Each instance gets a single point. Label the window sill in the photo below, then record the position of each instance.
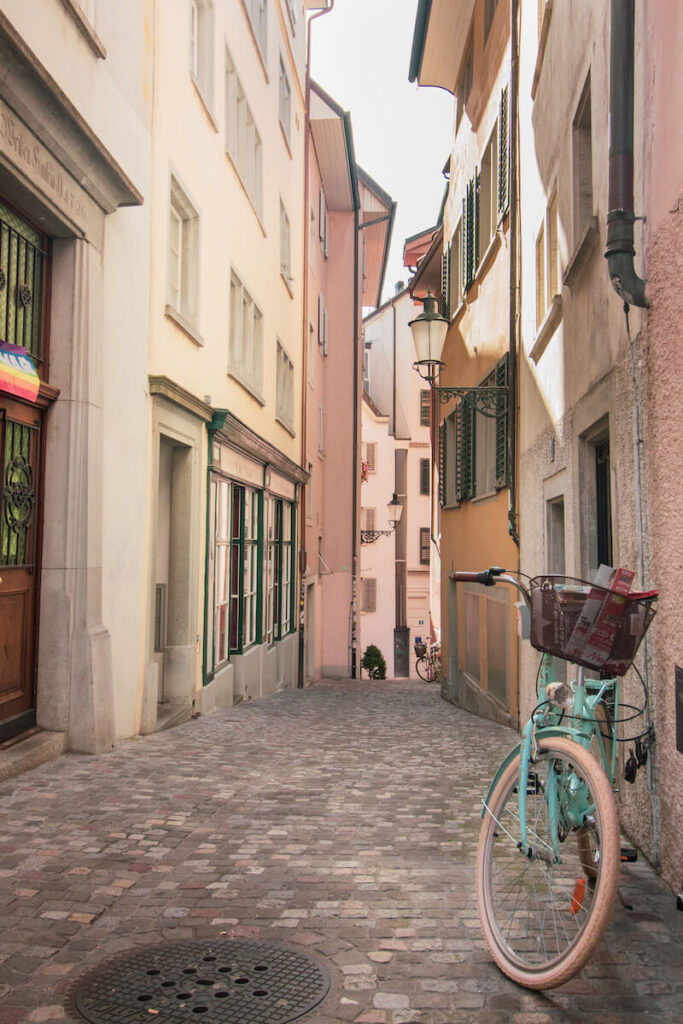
(85, 28)
(545, 332)
(246, 192)
(244, 383)
(487, 259)
(582, 253)
(185, 326)
(285, 425)
(204, 103)
(542, 40)
(483, 497)
(288, 281)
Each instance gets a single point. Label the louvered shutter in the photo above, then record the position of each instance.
(502, 426)
(464, 279)
(445, 282)
(503, 167)
(476, 188)
(468, 442)
(442, 464)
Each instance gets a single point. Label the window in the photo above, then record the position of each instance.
(547, 262)
(555, 529)
(218, 575)
(324, 226)
(285, 101)
(424, 476)
(279, 569)
(488, 194)
(243, 142)
(370, 455)
(285, 246)
(367, 346)
(285, 389)
(244, 568)
(368, 595)
(582, 165)
(424, 545)
(246, 337)
(201, 47)
(258, 16)
(322, 325)
(425, 408)
(489, 11)
(473, 446)
(464, 86)
(183, 264)
(368, 519)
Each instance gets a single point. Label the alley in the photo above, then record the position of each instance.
(340, 821)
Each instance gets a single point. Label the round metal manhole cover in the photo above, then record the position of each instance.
(226, 982)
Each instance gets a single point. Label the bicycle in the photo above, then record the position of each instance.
(428, 664)
(549, 851)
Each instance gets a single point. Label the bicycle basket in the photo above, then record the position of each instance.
(420, 649)
(588, 625)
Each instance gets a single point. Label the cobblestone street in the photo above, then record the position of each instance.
(341, 821)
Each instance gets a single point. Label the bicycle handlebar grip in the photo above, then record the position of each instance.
(487, 577)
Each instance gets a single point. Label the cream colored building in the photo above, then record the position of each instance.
(75, 168)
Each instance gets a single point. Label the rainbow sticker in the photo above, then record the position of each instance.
(17, 373)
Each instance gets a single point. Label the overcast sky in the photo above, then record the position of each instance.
(360, 55)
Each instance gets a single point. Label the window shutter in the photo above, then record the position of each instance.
(371, 459)
(503, 168)
(502, 426)
(442, 464)
(445, 281)
(470, 233)
(369, 595)
(476, 188)
(424, 476)
(464, 442)
(321, 325)
(464, 279)
(325, 322)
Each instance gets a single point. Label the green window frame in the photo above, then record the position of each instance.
(246, 568)
(424, 476)
(279, 569)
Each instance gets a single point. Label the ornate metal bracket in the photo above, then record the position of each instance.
(489, 401)
(370, 536)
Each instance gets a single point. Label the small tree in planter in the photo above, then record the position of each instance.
(373, 662)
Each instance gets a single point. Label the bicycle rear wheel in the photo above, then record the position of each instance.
(542, 919)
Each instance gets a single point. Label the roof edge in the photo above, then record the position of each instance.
(419, 36)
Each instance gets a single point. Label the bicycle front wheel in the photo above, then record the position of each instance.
(541, 916)
(422, 667)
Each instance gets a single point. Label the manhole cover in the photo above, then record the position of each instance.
(229, 982)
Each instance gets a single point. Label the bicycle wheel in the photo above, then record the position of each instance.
(588, 842)
(423, 668)
(542, 919)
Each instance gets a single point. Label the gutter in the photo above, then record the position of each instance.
(620, 249)
(512, 326)
(419, 37)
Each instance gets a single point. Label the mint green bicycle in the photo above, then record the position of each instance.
(549, 851)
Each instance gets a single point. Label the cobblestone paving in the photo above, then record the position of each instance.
(341, 821)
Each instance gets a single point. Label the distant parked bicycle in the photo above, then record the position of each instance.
(428, 664)
(549, 850)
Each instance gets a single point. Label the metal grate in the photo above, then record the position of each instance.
(226, 982)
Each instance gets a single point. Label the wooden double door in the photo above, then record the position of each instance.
(20, 430)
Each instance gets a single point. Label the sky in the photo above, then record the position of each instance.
(360, 55)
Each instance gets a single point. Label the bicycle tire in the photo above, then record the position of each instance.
(422, 667)
(511, 886)
(588, 843)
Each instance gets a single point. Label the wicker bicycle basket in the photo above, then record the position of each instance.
(588, 625)
(420, 649)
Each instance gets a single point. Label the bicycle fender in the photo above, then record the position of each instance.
(541, 734)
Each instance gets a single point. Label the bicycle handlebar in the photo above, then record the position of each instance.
(486, 578)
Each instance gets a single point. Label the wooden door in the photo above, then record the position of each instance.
(19, 475)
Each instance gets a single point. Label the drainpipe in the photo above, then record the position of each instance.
(620, 249)
(304, 336)
(512, 325)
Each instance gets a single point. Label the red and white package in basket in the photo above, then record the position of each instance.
(593, 636)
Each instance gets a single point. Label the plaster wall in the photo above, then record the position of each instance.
(663, 346)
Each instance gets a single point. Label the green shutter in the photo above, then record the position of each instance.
(424, 476)
(502, 426)
(468, 235)
(442, 464)
(464, 279)
(475, 228)
(445, 282)
(503, 170)
(464, 444)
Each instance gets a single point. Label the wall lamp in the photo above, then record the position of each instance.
(394, 510)
(429, 335)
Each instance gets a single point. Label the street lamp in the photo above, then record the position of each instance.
(429, 334)
(394, 510)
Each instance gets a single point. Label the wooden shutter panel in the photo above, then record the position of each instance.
(445, 282)
(464, 279)
(442, 464)
(476, 188)
(371, 456)
(502, 426)
(370, 595)
(464, 443)
(503, 166)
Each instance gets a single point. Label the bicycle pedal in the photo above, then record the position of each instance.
(628, 854)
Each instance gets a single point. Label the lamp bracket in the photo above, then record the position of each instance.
(489, 401)
(370, 536)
